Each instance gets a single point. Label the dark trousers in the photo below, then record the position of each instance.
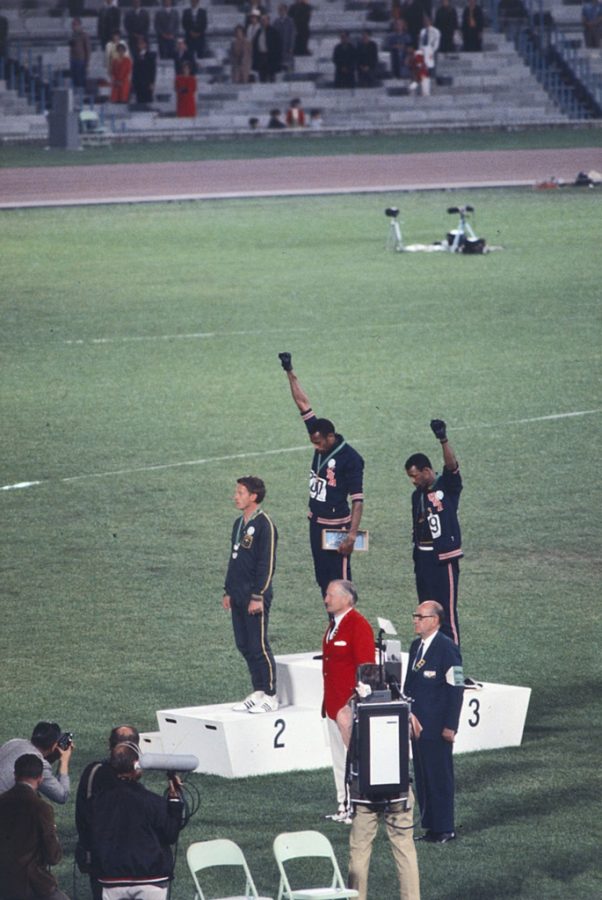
(434, 779)
(251, 638)
(78, 73)
(328, 564)
(437, 581)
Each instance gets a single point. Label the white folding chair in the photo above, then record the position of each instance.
(297, 844)
(221, 852)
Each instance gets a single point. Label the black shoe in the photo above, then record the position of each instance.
(427, 836)
(443, 837)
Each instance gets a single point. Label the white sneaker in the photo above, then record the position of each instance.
(249, 702)
(267, 704)
(342, 815)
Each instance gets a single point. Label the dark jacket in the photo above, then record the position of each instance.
(436, 687)
(28, 844)
(435, 513)
(132, 830)
(252, 560)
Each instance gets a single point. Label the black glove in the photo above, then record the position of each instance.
(286, 361)
(438, 427)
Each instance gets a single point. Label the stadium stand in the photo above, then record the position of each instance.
(531, 71)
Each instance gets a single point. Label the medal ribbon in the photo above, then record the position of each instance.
(329, 457)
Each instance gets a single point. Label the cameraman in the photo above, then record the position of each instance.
(132, 830)
(49, 744)
(96, 777)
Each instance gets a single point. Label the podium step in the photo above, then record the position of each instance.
(236, 745)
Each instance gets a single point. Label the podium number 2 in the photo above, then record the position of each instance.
(280, 724)
(475, 706)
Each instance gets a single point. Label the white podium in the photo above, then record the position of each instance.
(236, 745)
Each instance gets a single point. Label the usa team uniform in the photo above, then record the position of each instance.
(249, 576)
(438, 546)
(334, 477)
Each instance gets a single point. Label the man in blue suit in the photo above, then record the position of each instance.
(434, 681)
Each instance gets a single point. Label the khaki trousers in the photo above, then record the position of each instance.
(399, 825)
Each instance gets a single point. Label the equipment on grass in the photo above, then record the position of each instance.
(394, 240)
(463, 239)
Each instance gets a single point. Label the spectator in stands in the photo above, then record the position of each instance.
(121, 75)
(267, 50)
(398, 42)
(185, 87)
(184, 55)
(343, 57)
(28, 839)
(472, 28)
(137, 25)
(240, 57)
(428, 41)
(315, 119)
(109, 20)
(419, 73)
(446, 20)
(111, 51)
(591, 18)
(413, 13)
(79, 54)
(285, 27)
(366, 60)
(144, 73)
(300, 12)
(3, 37)
(194, 23)
(252, 27)
(275, 120)
(43, 743)
(167, 25)
(295, 116)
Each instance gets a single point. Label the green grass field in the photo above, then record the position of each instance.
(140, 379)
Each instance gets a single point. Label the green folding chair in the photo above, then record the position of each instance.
(298, 844)
(221, 852)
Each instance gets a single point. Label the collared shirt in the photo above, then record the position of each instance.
(335, 624)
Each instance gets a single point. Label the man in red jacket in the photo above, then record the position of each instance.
(347, 644)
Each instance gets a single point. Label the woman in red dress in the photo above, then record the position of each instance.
(186, 93)
(121, 76)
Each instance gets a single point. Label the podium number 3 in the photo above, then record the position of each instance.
(280, 724)
(476, 716)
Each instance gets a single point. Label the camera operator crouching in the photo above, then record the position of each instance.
(50, 744)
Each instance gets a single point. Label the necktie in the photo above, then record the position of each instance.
(419, 654)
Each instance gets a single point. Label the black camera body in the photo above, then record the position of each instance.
(65, 740)
(379, 752)
(392, 212)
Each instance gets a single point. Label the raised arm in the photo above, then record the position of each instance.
(298, 394)
(439, 429)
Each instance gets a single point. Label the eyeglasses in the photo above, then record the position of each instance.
(418, 616)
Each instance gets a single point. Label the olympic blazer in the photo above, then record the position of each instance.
(251, 567)
(440, 505)
(351, 645)
(436, 686)
(334, 476)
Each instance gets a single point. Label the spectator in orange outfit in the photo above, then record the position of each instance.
(186, 93)
(121, 76)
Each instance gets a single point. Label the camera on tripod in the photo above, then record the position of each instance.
(378, 759)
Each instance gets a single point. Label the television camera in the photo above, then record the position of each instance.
(462, 239)
(378, 757)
